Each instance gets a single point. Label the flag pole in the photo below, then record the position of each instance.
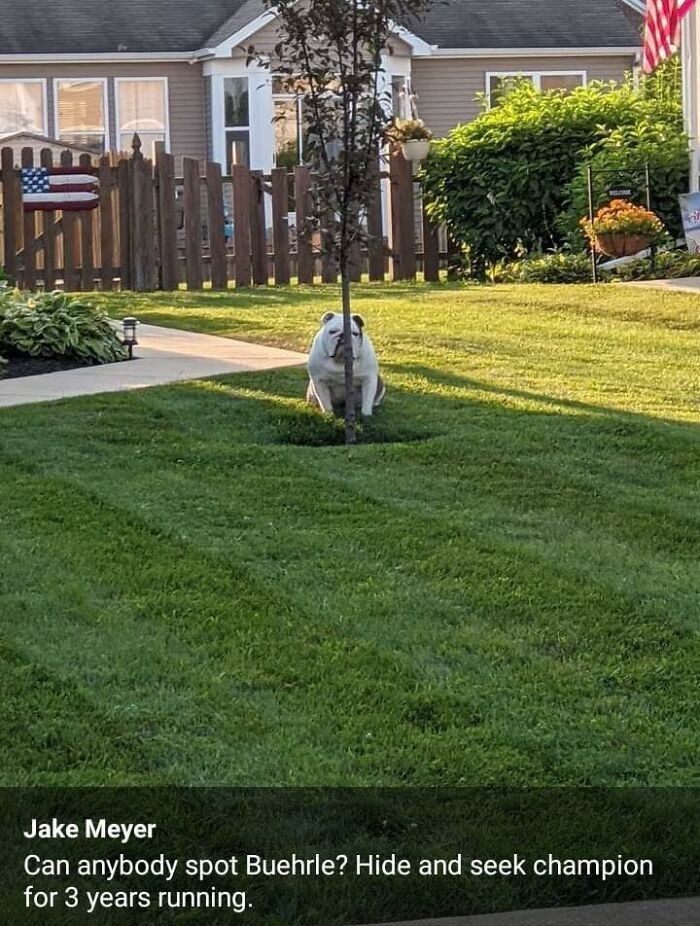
(690, 52)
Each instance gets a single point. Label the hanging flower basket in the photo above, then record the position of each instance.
(412, 136)
(416, 149)
(620, 244)
(622, 229)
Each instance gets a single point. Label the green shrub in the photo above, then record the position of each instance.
(668, 265)
(620, 160)
(56, 325)
(501, 182)
(558, 267)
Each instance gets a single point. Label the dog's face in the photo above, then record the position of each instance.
(333, 337)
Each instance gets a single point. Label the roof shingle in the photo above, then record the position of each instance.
(87, 26)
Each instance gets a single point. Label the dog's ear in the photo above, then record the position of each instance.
(327, 317)
(359, 321)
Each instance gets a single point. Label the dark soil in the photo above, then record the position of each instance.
(34, 366)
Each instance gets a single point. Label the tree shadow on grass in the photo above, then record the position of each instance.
(451, 380)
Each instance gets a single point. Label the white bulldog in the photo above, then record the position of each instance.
(327, 367)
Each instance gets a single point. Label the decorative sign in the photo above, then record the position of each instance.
(690, 210)
(620, 193)
(72, 189)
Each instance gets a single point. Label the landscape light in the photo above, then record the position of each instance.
(129, 326)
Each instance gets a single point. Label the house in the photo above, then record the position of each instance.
(92, 74)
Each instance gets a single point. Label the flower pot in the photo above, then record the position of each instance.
(417, 149)
(620, 244)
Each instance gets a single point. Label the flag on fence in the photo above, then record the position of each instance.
(663, 30)
(72, 189)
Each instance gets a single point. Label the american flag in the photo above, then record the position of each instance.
(72, 189)
(663, 30)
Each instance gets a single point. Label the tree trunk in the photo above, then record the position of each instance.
(350, 415)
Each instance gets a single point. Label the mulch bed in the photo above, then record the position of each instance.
(35, 366)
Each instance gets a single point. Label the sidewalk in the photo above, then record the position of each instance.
(647, 913)
(681, 285)
(164, 355)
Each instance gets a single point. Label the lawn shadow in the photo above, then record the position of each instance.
(458, 381)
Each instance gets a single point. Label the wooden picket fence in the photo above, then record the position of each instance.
(156, 230)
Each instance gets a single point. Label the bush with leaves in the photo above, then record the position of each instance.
(501, 182)
(56, 325)
(620, 159)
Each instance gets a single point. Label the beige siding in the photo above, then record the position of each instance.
(265, 40)
(447, 88)
(185, 90)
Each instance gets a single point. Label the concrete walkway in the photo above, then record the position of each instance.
(164, 355)
(647, 913)
(681, 285)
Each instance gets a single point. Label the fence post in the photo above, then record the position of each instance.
(280, 224)
(241, 223)
(192, 205)
(257, 229)
(305, 252)
(124, 198)
(217, 232)
(87, 275)
(167, 222)
(402, 217)
(12, 205)
(49, 225)
(29, 236)
(141, 220)
(107, 235)
(375, 228)
(71, 242)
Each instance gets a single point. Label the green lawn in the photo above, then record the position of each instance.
(507, 592)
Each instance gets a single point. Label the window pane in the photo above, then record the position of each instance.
(142, 109)
(500, 86)
(237, 149)
(236, 101)
(561, 81)
(81, 117)
(148, 142)
(399, 97)
(286, 132)
(21, 107)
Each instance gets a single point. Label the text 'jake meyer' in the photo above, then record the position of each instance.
(90, 829)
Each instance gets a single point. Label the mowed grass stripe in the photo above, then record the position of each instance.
(512, 599)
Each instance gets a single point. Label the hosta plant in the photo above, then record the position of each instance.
(56, 325)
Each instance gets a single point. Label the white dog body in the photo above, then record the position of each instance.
(327, 367)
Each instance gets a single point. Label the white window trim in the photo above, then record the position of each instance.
(260, 110)
(105, 103)
(151, 80)
(45, 96)
(535, 75)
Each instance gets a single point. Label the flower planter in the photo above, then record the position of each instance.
(622, 245)
(417, 149)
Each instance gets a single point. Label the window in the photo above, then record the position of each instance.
(142, 106)
(80, 110)
(237, 119)
(400, 102)
(22, 107)
(288, 123)
(497, 85)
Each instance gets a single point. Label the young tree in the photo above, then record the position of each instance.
(330, 55)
